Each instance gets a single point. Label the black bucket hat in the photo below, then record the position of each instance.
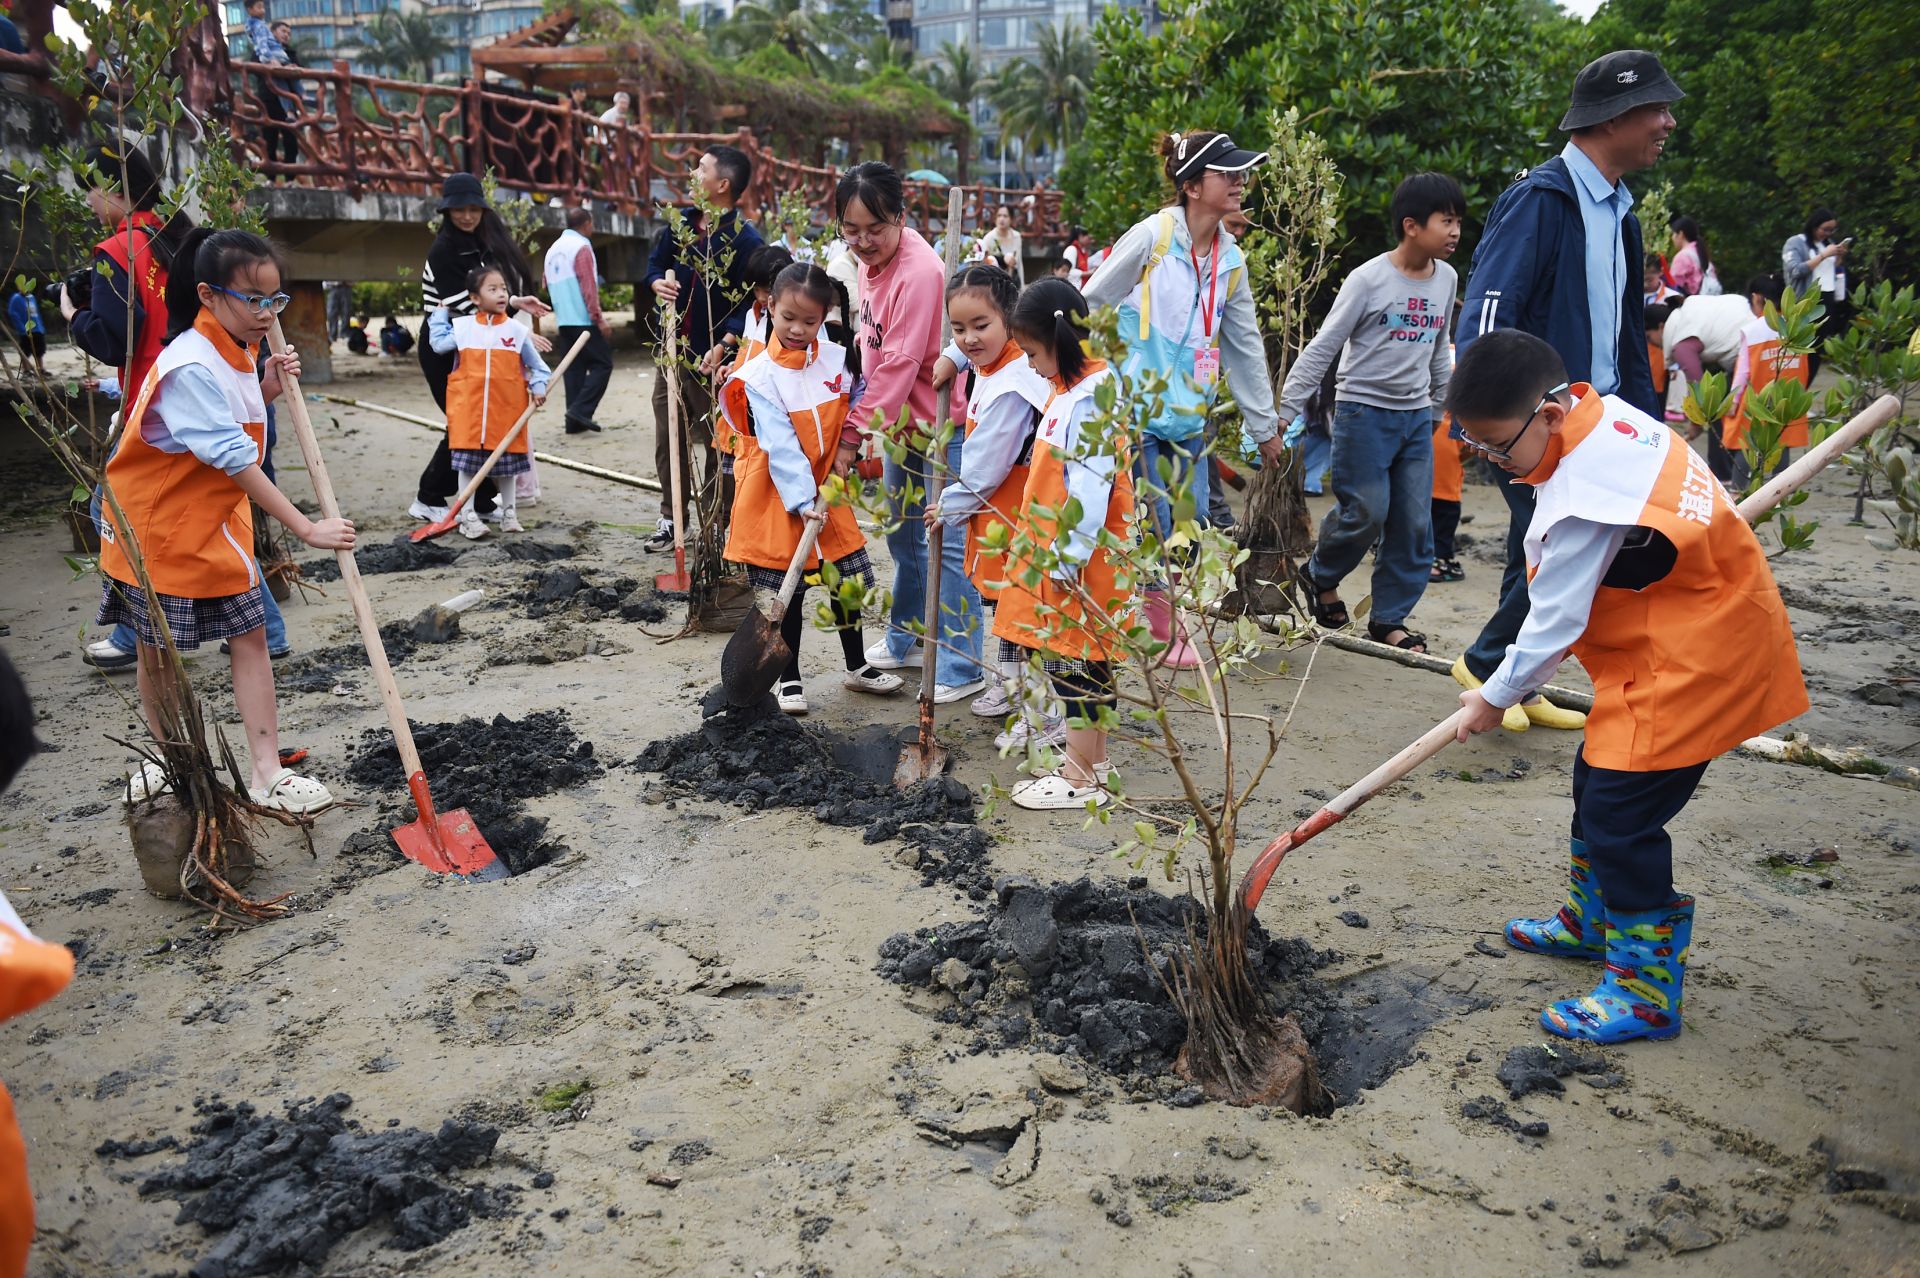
(1612, 85)
(461, 191)
(1191, 159)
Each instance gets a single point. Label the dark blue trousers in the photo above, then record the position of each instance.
(1490, 649)
(1622, 818)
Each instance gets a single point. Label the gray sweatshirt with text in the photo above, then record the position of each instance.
(1394, 330)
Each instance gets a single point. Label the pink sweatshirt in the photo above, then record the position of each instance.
(902, 319)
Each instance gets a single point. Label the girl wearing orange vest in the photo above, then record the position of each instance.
(792, 399)
(762, 269)
(1004, 399)
(1642, 567)
(1760, 364)
(496, 374)
(1071, 612)
(188, 460)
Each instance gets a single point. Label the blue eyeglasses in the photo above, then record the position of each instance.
(1504, 452)
(258, 303)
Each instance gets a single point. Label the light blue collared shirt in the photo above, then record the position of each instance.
(1603, 207)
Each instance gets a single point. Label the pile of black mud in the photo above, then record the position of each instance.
(760, 758)
(402, 555)
(278, 1194)
(322, 669)
(568, 590)
(489, 769)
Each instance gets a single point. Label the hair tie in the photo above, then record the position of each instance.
(1059, 314)
(1181, 143)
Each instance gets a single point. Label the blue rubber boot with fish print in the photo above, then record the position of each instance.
(1639, 991)
(1579, 930)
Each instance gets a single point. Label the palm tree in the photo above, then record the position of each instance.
(877, 53)
(404, 43)
(958, 79)
(1046, 100)
(787, 23)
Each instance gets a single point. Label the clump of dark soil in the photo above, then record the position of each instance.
(1537, 1068)
(402, 555)
(490, 769)
(277, 1194)
(1488, 1110)
(322, 669)
(760, 758)
(569, 590)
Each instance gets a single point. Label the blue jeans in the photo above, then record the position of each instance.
(1316, 455)
(1490, 648)
(1383, 487)
(963, 623)
(1188, 477)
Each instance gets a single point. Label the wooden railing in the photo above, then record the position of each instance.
(335, 128)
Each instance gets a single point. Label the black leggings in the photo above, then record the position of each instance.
(793, 625)
(1446, 522)
(1085, 688)
(439, 482)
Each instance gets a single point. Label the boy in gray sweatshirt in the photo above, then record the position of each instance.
(1391, 316)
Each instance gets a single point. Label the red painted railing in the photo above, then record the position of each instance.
(337, 129)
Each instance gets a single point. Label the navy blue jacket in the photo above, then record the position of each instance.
(708, 310)
(1530, 273)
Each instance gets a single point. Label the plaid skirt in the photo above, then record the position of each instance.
(856, 564)
(470, 460)
(192, 621)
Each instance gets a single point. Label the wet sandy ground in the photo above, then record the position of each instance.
(711, 972)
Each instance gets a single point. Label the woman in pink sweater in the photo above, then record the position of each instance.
(902, 320)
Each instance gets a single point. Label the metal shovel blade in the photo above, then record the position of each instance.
(453, 844)
(921, 757)
(753, 660)
(426, 532)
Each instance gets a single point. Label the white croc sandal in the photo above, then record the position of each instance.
(150, 782)
(1052, 792)
(791, 696)
(291, 792)
(868, 679)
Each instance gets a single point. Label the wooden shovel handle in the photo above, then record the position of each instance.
(936, 481)
(801, 554)
(296, 406)
(676, 475)
(1818, 458)
(465, 494)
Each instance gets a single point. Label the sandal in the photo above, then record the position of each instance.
(1447, 570)
(1331, 615)
(1408, 641)
(288, 791)
(1052, 792)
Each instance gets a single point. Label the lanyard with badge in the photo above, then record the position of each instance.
(1206, 358)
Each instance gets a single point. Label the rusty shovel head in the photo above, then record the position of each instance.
(921, 757)
(753, 660)
(450, 843)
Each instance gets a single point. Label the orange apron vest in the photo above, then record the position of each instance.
(487, 391)
(1765, 364)
(753, 340)
(148, 281)
(1694, 663)
(813, 386)
(1657, 363)
(1018, 617)
(1449, 472)
(31, 972)
(193, 524)
(1011, 374)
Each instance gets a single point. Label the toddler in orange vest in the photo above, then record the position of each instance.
(496, 374)
(1004, 397)
(1072, 611)
(792, 399)
(179, 483)
(1640, 565)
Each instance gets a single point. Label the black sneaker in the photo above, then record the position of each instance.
(577, 427)
(662, 538)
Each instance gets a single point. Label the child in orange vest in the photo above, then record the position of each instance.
(1642, 567)
(1050, 323)
(1760, 364)
(1004, 397)
(792, 399)
(188, 460)
(1449, 477)
(496, 374)
(733, 352)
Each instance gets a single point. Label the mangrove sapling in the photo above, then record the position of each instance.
(1874, 357)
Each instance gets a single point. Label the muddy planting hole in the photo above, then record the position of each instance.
(1062, 968)
(759, 758)
(405, 555)
(488, 768)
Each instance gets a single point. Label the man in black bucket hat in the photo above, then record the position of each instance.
(1561, 259)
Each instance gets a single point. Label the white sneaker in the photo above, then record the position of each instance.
(994, 703)
(471, 526)
(880, 659)
(791, 696)
(1022, 735)
(510, 522)
(662, 538)
(947, 693)
(867, 679)
(104, 655)
(429, 514)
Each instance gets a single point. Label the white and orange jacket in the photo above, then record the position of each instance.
(496, 372)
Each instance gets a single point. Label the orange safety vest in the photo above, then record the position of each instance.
(1019, 616)
(1691, 651)
(813, 387)
(1763, 353)
(191, 521)
(1449, 472)
(487, 391)
(147, 281)
(753, 340)
(31, 972)
(1011, 374)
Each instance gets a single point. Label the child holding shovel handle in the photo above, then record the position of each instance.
(1644, 569)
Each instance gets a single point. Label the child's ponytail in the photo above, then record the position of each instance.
(1052, 312)
(209, 257)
